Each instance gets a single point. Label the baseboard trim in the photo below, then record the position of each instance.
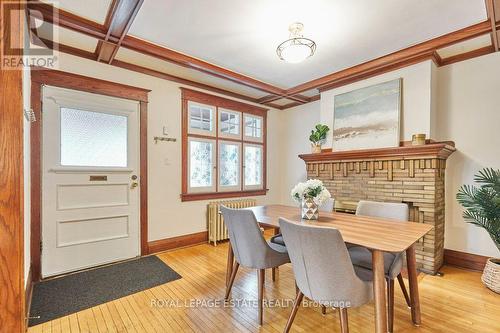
(464, 260)
(177, 242)
(28, 294)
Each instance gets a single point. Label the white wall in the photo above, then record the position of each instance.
(468, 113)
(168, 216)
(297, 125)
(416, 99)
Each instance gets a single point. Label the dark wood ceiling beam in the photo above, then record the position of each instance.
(395, 59)
(297, 98)
(468, 55)
(118, 21)
(163, 53)
(143, 70)
(491, 8)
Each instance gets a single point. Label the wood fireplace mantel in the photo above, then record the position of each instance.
(439, 150)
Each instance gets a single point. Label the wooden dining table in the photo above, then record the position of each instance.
(378, 235)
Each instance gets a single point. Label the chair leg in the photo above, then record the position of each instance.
(261, 276)
(390, 305)
(274, 269)
(231, 280)
(323, 310)
(344, 323)
(296, 306)
(403, 289)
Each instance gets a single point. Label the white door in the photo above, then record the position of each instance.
(90, 176)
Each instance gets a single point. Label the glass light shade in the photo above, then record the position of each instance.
(296, 53)
(296, 50)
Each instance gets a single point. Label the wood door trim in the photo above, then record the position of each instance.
(12, 175)
(73, 81)
(86, 84)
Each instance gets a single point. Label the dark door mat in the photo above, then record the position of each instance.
(75, 292)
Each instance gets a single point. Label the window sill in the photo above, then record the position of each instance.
(220, 195)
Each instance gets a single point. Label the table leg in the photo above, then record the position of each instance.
(379, 291)
(275, 269)
(411, 264)
(230, 262)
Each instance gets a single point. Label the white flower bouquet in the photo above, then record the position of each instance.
(311, 189)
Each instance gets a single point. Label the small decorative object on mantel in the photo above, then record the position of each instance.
(318, 136)
(310, 195)
(482, 208)
(418, 139)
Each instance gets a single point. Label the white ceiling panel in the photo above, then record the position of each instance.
(94, 10)
(242, 35)
(466, 46)
(283, 101)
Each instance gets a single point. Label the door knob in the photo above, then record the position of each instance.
(134, 185)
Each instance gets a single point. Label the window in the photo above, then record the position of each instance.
(201, 119)
(93, 139)
(229, 124)
(253, 128)
(223, 147)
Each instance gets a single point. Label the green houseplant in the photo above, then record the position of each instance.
(318, 136)
(482, 208)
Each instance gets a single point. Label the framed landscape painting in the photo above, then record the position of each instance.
(368, 117)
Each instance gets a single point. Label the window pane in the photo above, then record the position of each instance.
(200, 118)
(253, 126)
(253, 165)
(229, 164)
(93, 139)
(200, 173)
(230, 123)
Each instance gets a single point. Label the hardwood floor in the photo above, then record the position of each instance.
(457, 302)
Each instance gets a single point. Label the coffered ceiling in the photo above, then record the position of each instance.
(242, 35)
(230, 45)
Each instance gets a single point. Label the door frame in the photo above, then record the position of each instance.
(55, 78)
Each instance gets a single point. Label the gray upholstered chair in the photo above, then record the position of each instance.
(323, 270)
(393, 262)
(251, 249)
(327, 206)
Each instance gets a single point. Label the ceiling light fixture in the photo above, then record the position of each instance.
(296, 48)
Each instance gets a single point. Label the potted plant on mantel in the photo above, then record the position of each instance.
(482, 208)
(318, 137)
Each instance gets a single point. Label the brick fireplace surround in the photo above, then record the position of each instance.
(409, 174)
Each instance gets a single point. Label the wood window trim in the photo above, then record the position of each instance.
(223, 103)
(41, 77)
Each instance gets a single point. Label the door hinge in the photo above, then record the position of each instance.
(41, 246)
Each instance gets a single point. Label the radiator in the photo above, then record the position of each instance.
(217, 231)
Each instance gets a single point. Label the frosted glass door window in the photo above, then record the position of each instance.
(201, 164)
(201, 119)
(93, 139)
(229, 166)
(253, 166)
(253, 128)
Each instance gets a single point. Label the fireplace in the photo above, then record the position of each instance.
(411, 174)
